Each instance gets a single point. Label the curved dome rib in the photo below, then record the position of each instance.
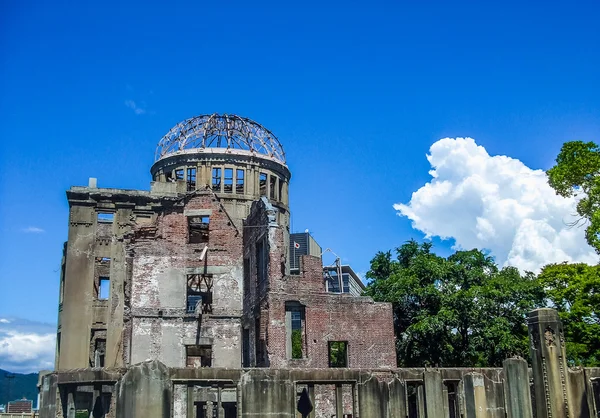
(220, 131)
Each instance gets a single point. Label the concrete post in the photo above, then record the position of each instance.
(434, 394)
(548, 363)
(421, 402)
(71, 402)
(311, 396)
(339, 404)
(474, 396)
(145, 391)
(516, 388)
(578, 394)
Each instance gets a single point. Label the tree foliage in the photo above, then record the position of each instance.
(457, 311)
(577, 172)
(574, 290)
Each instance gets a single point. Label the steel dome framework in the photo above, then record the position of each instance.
(220, 131)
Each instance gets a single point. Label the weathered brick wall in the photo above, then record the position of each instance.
(366, 326)
(162, 259)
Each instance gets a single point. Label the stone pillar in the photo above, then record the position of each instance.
(421, 402)
(474, 396)
(516, 388)
(434, 394)
(145, 391)
(548, 363)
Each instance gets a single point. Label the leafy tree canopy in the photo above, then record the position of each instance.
(457, 311)
(577, 172)
(574, 289)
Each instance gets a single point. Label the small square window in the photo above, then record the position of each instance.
(338, 354)
(179, 174)
(198, 229)
(198, 355)
(106, 217)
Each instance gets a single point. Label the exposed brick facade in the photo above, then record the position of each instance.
(366, 326)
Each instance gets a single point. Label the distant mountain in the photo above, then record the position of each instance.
(21, 386)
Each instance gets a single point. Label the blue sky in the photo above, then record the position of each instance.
(356, 92)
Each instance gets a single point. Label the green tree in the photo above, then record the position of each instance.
(457, 311)
(577, 173)
(574, 289)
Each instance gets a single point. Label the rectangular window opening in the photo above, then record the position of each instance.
(280, 189)
(99, 352)
(246, 277)
(239, 182)
(199, 293)
(103, 288)
(245, 347)
(179, 174)
(216, 180)
(262, 182)
(261, 264)
(198, 227)
(228, 180)
(106, 217)
(296, 333)
(273, 187)
(169, 176)
(338, 353)
(198, 355)
(191, 179)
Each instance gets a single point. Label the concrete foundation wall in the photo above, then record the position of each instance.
(150, 390)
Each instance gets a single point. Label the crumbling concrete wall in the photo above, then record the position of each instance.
(161, 326)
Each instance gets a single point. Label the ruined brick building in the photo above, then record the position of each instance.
(196, 271)
(189, 301)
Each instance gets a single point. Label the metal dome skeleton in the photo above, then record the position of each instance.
(230, 132)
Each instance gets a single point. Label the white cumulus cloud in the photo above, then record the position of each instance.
(495, 203)
(26, 346)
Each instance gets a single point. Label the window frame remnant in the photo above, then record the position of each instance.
(198, 229)
(239, 181)
(179, 174)
(191, 179)
(216, 179)
(199, 292)
(228, 180)
(103, 287)
(198, 355)
(262, 183)
(337, 354)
